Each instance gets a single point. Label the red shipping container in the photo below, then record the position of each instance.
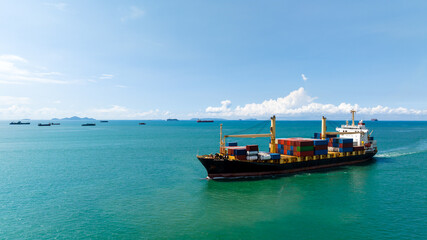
(281, 141)
(240, 157)
(230, 152)
(358, 148)
(346, 145)
(303, 143)
(304, 154)
(251, 147)
(321, 147)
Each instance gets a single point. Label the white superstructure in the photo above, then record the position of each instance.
(361, 136)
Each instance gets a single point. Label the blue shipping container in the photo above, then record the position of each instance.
(346, 140)
(320, 152)
(274, 156)
(231, 144)
(346, 149)
(319, 142)
(239, 152)
(289, 152)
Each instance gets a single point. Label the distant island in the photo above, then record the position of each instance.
(75, 118)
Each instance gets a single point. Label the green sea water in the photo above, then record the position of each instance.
(119, 180)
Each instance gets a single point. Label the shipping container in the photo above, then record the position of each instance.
(321, 152)
(319, 142)
(305, 148)
(251, 147)
(333, 149)
(346, 149)
(321, 147)
(231, 144)
(346, 145)
(252, 158)
(304, 154)
(240, 152)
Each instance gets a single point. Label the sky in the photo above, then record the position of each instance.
(213, 59)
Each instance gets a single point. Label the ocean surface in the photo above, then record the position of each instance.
(119, 180)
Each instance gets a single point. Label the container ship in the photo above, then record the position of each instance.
(204, 121)
(19, 123)
(286, 156)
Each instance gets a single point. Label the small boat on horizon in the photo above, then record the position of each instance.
(19, 123)
(141, 123)
(55, 123)
(204, 121)
(374, 120)
(104, 121)
(44, 124)
(88, 124)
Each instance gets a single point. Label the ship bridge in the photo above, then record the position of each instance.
(361, 133)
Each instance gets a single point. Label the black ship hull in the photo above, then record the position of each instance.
(223, 168)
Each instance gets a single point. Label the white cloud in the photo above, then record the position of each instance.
(113, 109)
(12, 58)
(225, 107)
(121, 86)
(304, 77)
(133, 13)
(8, 100)
(58, 5)
(16, 70)
(298, 103)
(106, 76)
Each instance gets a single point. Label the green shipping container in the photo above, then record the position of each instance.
(305, 149)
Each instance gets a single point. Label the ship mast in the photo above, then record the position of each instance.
(273, 147)
(323, 135)
(221, 140)
(352, 117)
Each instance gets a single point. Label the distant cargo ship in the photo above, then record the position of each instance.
(55, 123)
(204, 121)
(88, 124)
(291, 155)
(141, 123)
(104, 121)
(19, 123)
(44, 124)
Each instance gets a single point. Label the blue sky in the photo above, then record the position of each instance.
(231, 59)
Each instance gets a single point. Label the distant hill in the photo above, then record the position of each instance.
(75, 118)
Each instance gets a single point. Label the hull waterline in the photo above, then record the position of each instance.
(223, 168)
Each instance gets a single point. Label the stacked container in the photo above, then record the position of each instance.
(340, 145)
(264, 156)
(299, 147)
(319, 136)
(252, 152)
(320, 147)
(238, 152)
